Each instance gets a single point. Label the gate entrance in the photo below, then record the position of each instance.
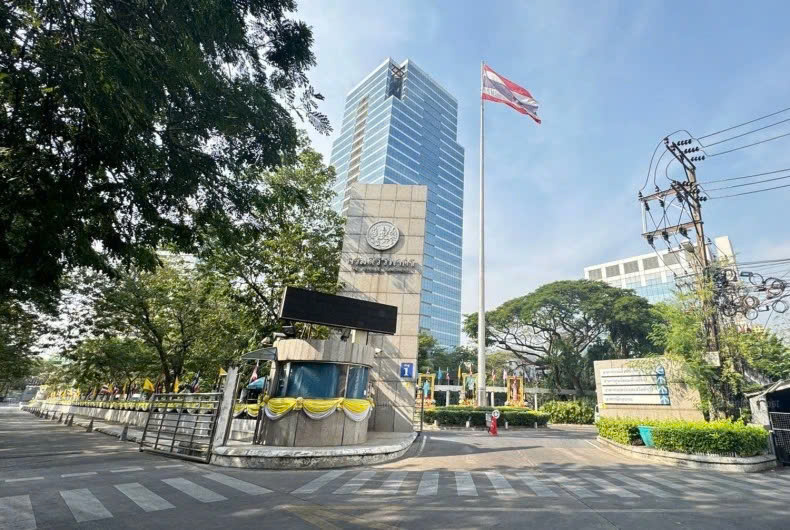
(181, 425)
(780, 425)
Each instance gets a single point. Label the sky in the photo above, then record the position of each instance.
(612, 79)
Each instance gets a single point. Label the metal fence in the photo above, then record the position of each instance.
(181, 425)
(780, 425)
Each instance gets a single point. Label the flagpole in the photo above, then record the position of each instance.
(481, 314)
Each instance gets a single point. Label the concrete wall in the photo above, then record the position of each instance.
(684, 400)
(404, 206)
(241, 429)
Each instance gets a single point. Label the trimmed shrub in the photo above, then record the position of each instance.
(622, 431)
(579, 412)
(693, 437)
(477, 417)
(717, 437)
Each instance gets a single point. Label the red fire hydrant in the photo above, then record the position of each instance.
(492, 429)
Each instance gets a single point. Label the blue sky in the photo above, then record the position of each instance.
(612, 79)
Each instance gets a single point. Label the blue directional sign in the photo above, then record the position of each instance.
(407, 370)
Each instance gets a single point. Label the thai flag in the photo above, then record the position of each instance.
(502, 90)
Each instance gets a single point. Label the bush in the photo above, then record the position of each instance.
(622, 431)
(718, 437)
(477, 417)
(579, 412)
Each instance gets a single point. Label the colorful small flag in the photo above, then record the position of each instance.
(222, 372)
(439, 375)
(254, 375)
(176, 385)
(493, 375)
(148, 385)
(502, 90)
(504, 374)
(459, 372)
(447, 375)
(195, 386)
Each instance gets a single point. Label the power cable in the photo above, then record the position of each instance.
(745, 176)
(650, 166)
(744, 134)
(744, 123)
(750, 192)
(750, 145)
(747, 184)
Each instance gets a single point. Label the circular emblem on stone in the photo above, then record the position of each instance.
(383, 235)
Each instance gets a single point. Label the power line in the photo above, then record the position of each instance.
(744, 123)
(650, 166)
(750, 192)
(744, 134)
(747, 184)
(750, 145)
(745, 176)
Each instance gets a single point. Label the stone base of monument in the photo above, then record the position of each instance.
(380, 447)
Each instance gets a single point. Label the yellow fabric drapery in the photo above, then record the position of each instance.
(357, 409)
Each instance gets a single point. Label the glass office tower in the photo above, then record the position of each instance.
(400, 127)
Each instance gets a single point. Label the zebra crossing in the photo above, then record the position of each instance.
(18, 511)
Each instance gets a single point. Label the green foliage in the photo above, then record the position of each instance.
(554, 327)
(621, 430)
(21, 330)
(427, 349)
(717, 437)
(578, 412)
(293, 238)
(477, 416)
(128, 125)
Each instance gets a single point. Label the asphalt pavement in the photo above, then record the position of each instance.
(53, 476)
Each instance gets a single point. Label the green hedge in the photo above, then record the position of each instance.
(718, 437)
(580, 412)
(477, 417)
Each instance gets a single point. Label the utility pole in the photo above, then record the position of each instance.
(688, 192)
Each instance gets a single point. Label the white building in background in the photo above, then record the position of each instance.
(654, 275)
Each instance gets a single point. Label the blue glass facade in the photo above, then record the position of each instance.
(400, 127)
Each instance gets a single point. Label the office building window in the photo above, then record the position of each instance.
(650, 263)
(631, 266)
(670, 258)
(595, 274)
(612, 270)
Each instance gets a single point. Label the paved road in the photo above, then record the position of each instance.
(52, 476)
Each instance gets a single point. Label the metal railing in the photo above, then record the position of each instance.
(181, 425)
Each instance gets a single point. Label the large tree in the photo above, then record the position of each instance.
(127, 125)
(291, 237)
(21, 330)
(554, 326)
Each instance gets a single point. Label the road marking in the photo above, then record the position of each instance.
(607, 486)
(464, 484)
(699, 483)
(571, 484)
(642, 486)
(126, 470)
(143, 497)
(743, 487)
(236, 484)
(314, 485)
(391, 485)
(193, 490)
(422, 445)
(429, 484)
(23, 479)
(536, 485)
(500, 483)
(355, 483)
(69, 475)
(168, 466)
(594, 445)
(17, 513)
(84, 506)
(674, 485)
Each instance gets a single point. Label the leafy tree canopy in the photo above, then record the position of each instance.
(127, 125)
(555, 326)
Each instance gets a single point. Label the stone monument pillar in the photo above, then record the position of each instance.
(382, 261)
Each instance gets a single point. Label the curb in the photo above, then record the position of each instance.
(726, 464)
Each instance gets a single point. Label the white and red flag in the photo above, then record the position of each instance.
(503, 90)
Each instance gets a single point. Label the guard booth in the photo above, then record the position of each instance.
(770, 408)
(320, 391)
